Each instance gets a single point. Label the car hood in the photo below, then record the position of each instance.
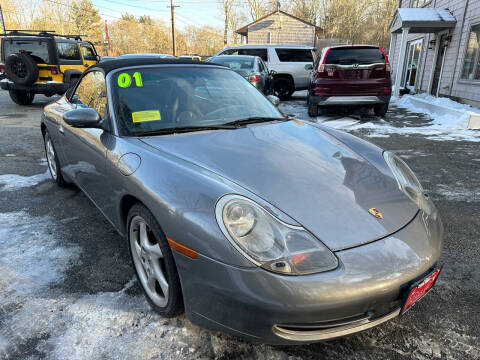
(308, 174)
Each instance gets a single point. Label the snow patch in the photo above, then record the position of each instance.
(30, 261)
(425, 14)
(12, 182)
(29, 254)
(442, 128)
(458, 193)
(442, 101)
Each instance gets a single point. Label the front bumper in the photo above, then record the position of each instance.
(357, 100)
(50, 88)
(367, 289)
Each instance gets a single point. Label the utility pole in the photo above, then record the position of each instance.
(172, 9)
(2, 23)
(107, 39)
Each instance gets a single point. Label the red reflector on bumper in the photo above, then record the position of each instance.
(420, 289)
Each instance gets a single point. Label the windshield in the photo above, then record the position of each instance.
(151, 99)
(234, 64)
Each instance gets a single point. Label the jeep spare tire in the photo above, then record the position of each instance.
(21, 69)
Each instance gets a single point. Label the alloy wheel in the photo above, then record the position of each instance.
(149, 261)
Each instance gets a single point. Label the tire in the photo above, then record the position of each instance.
(52, 161)
(21, 69)
(312, 110)
(380, 109)
(153, 262)
(21, 97)
(283, 88)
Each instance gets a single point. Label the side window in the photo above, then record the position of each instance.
(68, 51)
(230, 52)
(263, 68)
(295, 55)
(471, 61)
(262, 53)
(92, 92)
(88, 53)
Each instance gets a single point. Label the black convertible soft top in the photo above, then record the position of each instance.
(110, 65)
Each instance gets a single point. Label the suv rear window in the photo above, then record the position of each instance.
(68, 51)
(294, 55)
(262, 53)
(355, 55)
(38, 49)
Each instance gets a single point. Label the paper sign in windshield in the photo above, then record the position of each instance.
(147, 115)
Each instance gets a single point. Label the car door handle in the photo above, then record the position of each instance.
(60, 130)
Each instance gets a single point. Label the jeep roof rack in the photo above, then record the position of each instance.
(41, 33)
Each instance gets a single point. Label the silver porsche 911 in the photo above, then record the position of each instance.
(276, 230)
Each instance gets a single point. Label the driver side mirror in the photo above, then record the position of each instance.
(309, 67)
(273, 99)
(83, 118)
(272, 72)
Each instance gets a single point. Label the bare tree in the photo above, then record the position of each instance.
(227, 7)
(237, 19)
(256, 8)
(308, 10)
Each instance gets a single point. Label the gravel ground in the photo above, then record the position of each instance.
(67, 288)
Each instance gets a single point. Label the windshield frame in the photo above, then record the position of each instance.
(110, 89)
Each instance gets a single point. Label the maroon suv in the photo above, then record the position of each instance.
(353, 75)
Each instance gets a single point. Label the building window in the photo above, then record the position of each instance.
(269, 38)
(471, 63)
(420, 3)
(412, 63)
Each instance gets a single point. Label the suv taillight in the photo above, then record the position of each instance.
(2, 68)
(321, 69)
(54, 70)
(387, 63)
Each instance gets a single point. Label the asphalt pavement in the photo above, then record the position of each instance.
(67, 288)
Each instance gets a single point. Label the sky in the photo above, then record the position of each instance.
(189, 12)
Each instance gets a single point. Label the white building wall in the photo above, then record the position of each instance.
(467, 91)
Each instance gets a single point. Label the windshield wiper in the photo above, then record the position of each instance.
(254, 120)
(185, 129)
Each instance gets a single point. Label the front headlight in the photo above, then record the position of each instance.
(407, 181)
(269, 242)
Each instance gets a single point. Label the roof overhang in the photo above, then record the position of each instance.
(422, 20)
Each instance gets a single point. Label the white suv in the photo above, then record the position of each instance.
(288, 63)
